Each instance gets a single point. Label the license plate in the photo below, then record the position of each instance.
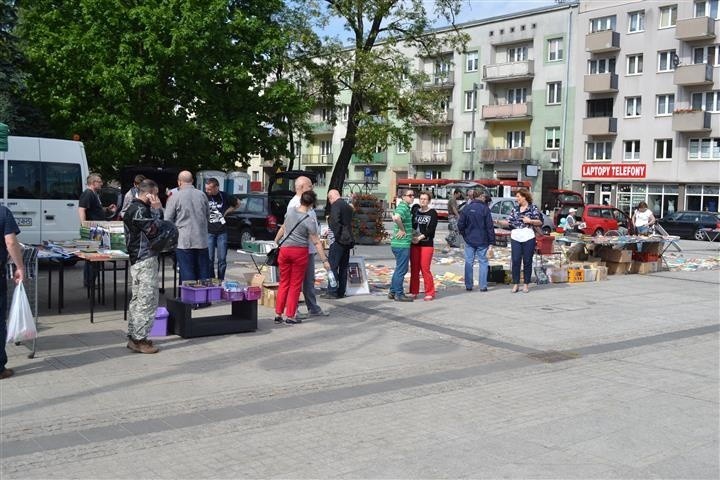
(23, 221)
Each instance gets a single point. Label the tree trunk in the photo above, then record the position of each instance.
(343, 162)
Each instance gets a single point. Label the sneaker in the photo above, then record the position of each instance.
(319, 313)
(278, 319)
(292, 321)
(403, 298)
(133, 345)
(391, 296)
(7, 373)
(483, 289)
(146, 346)
(468, 289)
(429, 298)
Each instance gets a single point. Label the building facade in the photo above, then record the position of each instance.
(508, 114)
(648, 113)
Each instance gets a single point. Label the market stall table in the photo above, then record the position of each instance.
(97, 263)
(710, 234)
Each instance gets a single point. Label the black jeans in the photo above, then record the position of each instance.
(339, 258)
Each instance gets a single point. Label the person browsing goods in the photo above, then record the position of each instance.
(400, 246)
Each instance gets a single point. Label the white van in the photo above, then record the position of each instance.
(42, 182)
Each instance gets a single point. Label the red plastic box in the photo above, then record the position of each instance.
(545, 244)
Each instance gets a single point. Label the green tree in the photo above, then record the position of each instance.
(167, 82)
(386, 94)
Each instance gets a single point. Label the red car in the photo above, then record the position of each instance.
(561, 201)
(600, 219)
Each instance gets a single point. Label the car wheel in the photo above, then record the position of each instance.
(599, 232)
(245, 236)
(699, 235)
(546, 230)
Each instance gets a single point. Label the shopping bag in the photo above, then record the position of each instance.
(21, 324)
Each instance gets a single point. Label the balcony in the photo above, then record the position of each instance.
(694, 29)
(439, 119)
(379, 158)
(507, 112)
(690, 121)
(509, 72)
(693, 75)
(322, 128)
(600, 126)
(601, 83)
(322, 159)
(441, 80)
(505, 155)
(426, 157)
(601, 42)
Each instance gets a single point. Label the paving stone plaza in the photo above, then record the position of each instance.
(613, 379)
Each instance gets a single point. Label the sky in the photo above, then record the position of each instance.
(471, 10)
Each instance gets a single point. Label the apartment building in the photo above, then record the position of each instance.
(648, 115)
(508, 114)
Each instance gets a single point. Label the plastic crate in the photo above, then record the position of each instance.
(193, 295)
(214, 293)
(160, 325)
(576, 275)
(253, 293)
(233, 295)
(590, 275)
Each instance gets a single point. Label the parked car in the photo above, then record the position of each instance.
(253, 218)
(561, 201)
(687, 223)
(500, 208)
(600, 219)
(281, 190)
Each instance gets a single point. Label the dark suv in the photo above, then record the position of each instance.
(253, 218)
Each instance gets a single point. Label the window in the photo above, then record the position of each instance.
(709, 54)
(255, 176)
(553, 93)
(708, 101)
(668, 16)
(24, 179)
(468, 174)
(552, 138)
(665, 104)
(663, 148)
(636, 21)
(401, 148)
(601, 65)
(344, 112)
(555, 49)
(470, 100)
(598, 150)
(326, 115)
(320, 178)
(516, 95)
(471, 61)
(603, 23)
(704, 149)
(632, 150)
(325, 147)
(635, 64)
(62, 181)
(439, 143)
(600, 107)
(632, 106)
(666, 61)
(517, 54)
(706, 8)
(468, 141)
(515, 139)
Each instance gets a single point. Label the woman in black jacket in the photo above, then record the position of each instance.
(424, 221)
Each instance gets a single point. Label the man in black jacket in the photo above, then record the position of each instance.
(476, 227)
(143, 220)
(339, 256)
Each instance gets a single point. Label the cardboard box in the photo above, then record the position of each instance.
(602, 273)
(254, 279)
(643, 268)
(616, 256)
(557, 274)
(269, 296)
(653, 247)
(618, 268)
(590, 275)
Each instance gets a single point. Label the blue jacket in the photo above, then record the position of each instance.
(476, 225)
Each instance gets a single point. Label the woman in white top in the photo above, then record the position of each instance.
(643, 219)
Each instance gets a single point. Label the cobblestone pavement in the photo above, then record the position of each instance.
(616, 379)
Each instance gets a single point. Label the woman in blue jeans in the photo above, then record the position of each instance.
(523, 218)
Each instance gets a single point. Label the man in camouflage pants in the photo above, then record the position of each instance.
(141, 221)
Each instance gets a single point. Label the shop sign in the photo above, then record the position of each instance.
(613, 170)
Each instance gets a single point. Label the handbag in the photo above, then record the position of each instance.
(271, 260)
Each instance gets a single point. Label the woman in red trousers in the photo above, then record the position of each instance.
(297, 232)
(424, 221)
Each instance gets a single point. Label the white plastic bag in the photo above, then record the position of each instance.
(21, 324)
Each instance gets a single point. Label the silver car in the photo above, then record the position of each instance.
(501, 207)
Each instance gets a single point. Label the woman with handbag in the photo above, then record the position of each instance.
(295, 234)
(523, 220)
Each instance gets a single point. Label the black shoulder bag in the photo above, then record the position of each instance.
(272, 255)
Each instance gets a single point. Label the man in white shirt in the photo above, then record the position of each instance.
(303, 184)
